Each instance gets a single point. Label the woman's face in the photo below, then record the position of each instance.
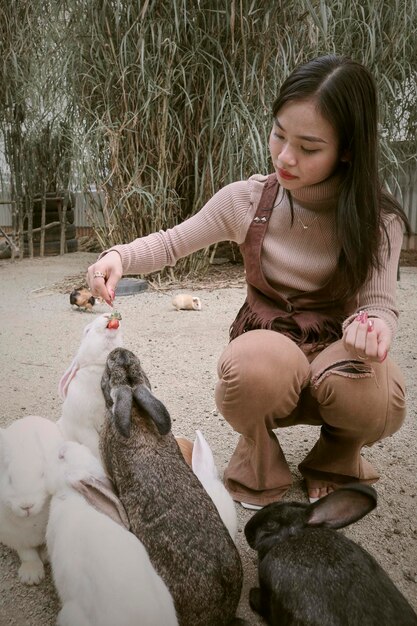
(303, 145)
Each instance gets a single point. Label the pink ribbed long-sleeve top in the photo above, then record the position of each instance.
(295, 257)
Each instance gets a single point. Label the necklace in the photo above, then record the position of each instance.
(307, 226)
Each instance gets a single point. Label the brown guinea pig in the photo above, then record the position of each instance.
(82, 298)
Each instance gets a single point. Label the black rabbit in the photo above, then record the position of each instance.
(311, 575)
(168, 508)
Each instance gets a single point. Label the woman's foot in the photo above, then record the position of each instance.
(319, 492)
(319, 489)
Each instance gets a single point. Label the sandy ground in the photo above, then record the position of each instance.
(40, 333)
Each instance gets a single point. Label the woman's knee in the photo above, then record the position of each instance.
(368, 404)
(261, 372)
(397, 404)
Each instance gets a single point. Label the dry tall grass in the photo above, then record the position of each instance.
(175, 97)
(172, 98)
(35, 114)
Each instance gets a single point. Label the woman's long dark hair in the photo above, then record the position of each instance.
(346, 97)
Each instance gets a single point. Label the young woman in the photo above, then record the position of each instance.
(321, 242)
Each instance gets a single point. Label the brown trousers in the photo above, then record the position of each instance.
(266, 382)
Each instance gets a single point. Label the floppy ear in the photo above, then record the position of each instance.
(100, 494)
(122, 409)
(153, 407)
(342, 507)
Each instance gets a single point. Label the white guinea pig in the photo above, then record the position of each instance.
(25, 446)
(83, 408)
(102, 572)
(186, 301)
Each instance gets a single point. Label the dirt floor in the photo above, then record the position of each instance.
(40, 333)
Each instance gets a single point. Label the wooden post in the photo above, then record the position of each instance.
(43, 220)
(20, 227)
(29, 212)
(62, 214)
(9, 241)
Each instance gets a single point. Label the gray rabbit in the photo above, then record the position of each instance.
(311, 575)
(168, 509)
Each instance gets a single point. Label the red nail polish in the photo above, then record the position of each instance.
(384, 357)
(362, 317)
(370, 326)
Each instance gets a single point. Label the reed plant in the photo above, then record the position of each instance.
(164, 102)
(35, 112)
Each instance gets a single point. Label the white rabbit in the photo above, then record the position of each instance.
(102, 572)
(25, 446)
(83, 409)
(204, 468)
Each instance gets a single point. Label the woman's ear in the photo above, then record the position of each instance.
(346, 156)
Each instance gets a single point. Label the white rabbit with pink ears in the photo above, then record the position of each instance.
(25, 447)
(102, 572)
(83, 408)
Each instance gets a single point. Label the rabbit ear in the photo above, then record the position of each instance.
(342, 507)
(67, 377)
(154, 408)
(122, 408)
(202, 460)
(100, 494)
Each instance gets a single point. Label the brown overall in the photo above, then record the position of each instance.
(286, 365)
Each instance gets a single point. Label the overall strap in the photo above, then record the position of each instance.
(252, 246)
(307, 317)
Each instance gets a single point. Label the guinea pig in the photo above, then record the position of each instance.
(82, 298)
(186, 301)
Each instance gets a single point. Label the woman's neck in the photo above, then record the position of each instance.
(322, 196)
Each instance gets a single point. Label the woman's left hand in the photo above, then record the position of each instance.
(368, 339)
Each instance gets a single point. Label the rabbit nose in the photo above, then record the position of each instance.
(26, 507)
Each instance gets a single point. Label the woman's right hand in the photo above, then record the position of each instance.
(103, 276)
(368, 339)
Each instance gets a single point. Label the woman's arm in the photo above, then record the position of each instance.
(377, 300)
(225, 217)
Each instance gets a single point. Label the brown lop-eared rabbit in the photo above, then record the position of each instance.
(167, 507)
